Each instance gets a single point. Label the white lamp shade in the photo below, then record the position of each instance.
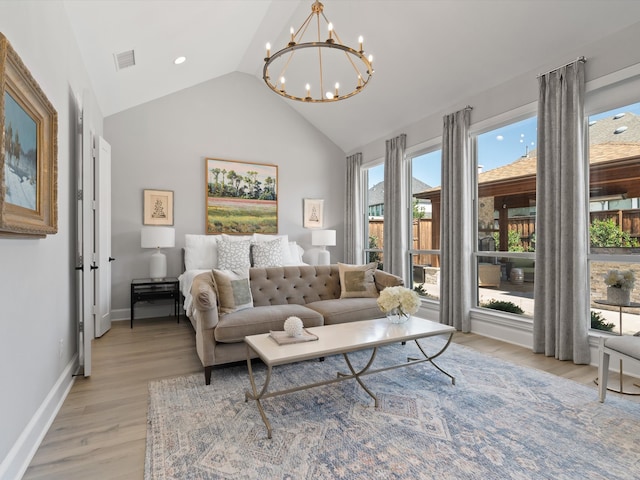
(158, 237)
(323, 238)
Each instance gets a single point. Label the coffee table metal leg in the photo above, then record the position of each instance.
(430, 358)
(356, 375)
(257, 396)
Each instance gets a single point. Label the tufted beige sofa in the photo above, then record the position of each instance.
(311, 293)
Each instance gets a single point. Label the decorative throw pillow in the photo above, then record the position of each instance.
(357, 281)
(284, 244)
(267, 254)
(234, 292)
(234, 255)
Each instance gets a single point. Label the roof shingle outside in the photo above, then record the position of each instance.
(376, 193)
(605, 146)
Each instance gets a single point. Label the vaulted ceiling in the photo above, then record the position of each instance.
(428, 54)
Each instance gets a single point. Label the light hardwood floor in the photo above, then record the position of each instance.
(100, 431)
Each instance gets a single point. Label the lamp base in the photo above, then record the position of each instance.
(324, 258)
(158, 266)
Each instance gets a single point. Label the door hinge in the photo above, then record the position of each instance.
(94, 309)
(80, 195)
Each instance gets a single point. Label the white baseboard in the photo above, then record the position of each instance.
(144, 310)
(19, 457)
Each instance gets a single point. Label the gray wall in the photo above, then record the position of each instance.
(162, 145)
(37, 276)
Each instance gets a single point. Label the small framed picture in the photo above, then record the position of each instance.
(158, 207)
(313, 213)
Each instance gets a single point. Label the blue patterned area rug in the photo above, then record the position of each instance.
(498, 421)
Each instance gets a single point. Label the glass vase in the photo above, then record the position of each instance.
(394, 316)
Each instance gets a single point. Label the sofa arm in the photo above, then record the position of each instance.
(385, 279)
(204, 298)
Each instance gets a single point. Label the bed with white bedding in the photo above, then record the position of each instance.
(202, 253)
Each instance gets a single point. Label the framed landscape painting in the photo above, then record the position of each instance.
(28, 151)
(241, 197)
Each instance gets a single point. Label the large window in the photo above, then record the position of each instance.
(426, 178)
(614, 214)
(506, 213)
(375, 215)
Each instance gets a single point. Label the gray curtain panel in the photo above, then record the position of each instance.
(456, 232)
(396, 207)
(561, 290)
(354, 220)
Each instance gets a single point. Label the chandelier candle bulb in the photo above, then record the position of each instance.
(360, 41)
(330, 28)
(337, 87)
(308, 87)
(268, 50)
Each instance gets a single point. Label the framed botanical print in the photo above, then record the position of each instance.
(313, 213)
(241, 197)
(158, 207)
(28, 151)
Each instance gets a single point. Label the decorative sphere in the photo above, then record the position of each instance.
(293, 326)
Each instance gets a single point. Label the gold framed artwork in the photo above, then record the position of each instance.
(28, 151)
(158, 207)
(241, 197)
(313, 213)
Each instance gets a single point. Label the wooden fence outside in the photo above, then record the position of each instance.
(525, 226)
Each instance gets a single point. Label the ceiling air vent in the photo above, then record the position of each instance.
(125, 59)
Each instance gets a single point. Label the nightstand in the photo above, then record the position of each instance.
(146, 289)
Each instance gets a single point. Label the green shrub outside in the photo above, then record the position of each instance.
(503, 306)
(606, 233)
(598, 322)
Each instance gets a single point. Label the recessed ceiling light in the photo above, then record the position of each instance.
(180, 60)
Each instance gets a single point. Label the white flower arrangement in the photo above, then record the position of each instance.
(620, 279)
(406, 301)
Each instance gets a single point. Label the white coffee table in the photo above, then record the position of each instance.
(342, 339)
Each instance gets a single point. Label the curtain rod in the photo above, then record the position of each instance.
(579, 59)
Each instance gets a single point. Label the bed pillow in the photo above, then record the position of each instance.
(357, 281)
(284, 244)
(296, 252)
(233, 255)
(267, 254)
(200, 252)
(233, 290)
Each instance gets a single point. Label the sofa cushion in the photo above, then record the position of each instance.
(233, 254)
(235, 326)
(357, 281)
(346, 310)
(233, 291)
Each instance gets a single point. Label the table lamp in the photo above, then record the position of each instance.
(158, 237)
(324, 239)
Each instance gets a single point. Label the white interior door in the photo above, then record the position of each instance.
(85, 239)
(102, 237)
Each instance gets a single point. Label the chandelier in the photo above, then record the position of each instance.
(320, 68)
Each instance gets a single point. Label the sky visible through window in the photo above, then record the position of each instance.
(496, 148)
